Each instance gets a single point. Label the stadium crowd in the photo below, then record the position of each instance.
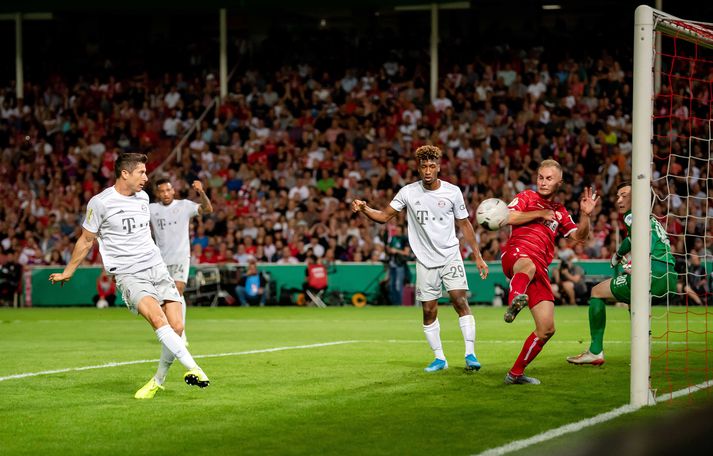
(283, 156)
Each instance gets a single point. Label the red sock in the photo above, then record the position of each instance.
(533, 346)
(518, 285)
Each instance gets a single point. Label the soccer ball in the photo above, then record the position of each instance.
(102, 303)
(492, 214)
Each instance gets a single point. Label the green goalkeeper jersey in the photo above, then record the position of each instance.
(660, 244)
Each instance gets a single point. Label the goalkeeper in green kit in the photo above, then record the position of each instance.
(663, 278)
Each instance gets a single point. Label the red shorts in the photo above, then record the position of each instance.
(539, 288)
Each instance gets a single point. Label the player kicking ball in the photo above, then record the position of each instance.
(536, 219)
(663, 279)
(119, 219)
(433, 209)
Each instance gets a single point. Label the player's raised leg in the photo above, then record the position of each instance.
(149, 308)
(173, 315)
(523, 271)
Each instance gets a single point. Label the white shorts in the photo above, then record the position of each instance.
(154, 282)
(179, 271)
(430, 281)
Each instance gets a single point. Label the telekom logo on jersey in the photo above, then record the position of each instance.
(552, 225)
(421, 216)
(128, 224)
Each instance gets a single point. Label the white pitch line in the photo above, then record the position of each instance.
(684, 391)
(557, 432)
(142, 361)
(519, 342)
(588, 422)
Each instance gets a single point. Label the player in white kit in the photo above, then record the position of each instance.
(170, 220)
(433, 209)
(119, 219)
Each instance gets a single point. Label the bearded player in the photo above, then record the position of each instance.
(118, 218)
(536, 221)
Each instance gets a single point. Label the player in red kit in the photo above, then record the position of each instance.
(536, 221)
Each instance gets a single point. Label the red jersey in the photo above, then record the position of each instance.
(536, 239)
(317, 276)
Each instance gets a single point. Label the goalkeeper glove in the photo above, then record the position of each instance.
(615, 260)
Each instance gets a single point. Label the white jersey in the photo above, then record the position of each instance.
(170, 229)
(121, 224)
(431, 221)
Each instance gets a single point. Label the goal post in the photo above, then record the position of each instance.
(641, 159)
(680, 120)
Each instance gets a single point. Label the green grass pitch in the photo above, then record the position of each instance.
(364, 394)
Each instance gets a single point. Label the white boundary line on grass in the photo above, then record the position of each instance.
(142, 361)
(276, 349)
(684, 391)
(588, 422)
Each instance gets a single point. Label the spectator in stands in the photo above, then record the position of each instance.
(106, 291)
(286, 257)
(10, 278)
(251, 288)
(398, 254)
(564, 251)
(196, 254)
(570, 281)
(302, 116)
(316, 276)
(695, 285)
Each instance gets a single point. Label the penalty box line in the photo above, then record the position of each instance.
(588, 422)
(142, 361)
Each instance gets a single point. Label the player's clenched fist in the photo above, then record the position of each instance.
(358, 205)
(197, 186)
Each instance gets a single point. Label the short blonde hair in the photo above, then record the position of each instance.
(428, 152)
(550, 164)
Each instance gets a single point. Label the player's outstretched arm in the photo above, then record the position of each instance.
(521, 218)
(206, 206)
(81, 250)
(374, 214)
(587, 203)
(469, 234)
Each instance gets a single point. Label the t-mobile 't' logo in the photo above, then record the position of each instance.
(421, 216)
(128, 224)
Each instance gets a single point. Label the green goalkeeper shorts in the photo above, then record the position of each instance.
(663, 281)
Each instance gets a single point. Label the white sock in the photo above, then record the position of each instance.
(433, 336)
(467, 327)
(183, 307)
(164, 364)
(168, 337)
